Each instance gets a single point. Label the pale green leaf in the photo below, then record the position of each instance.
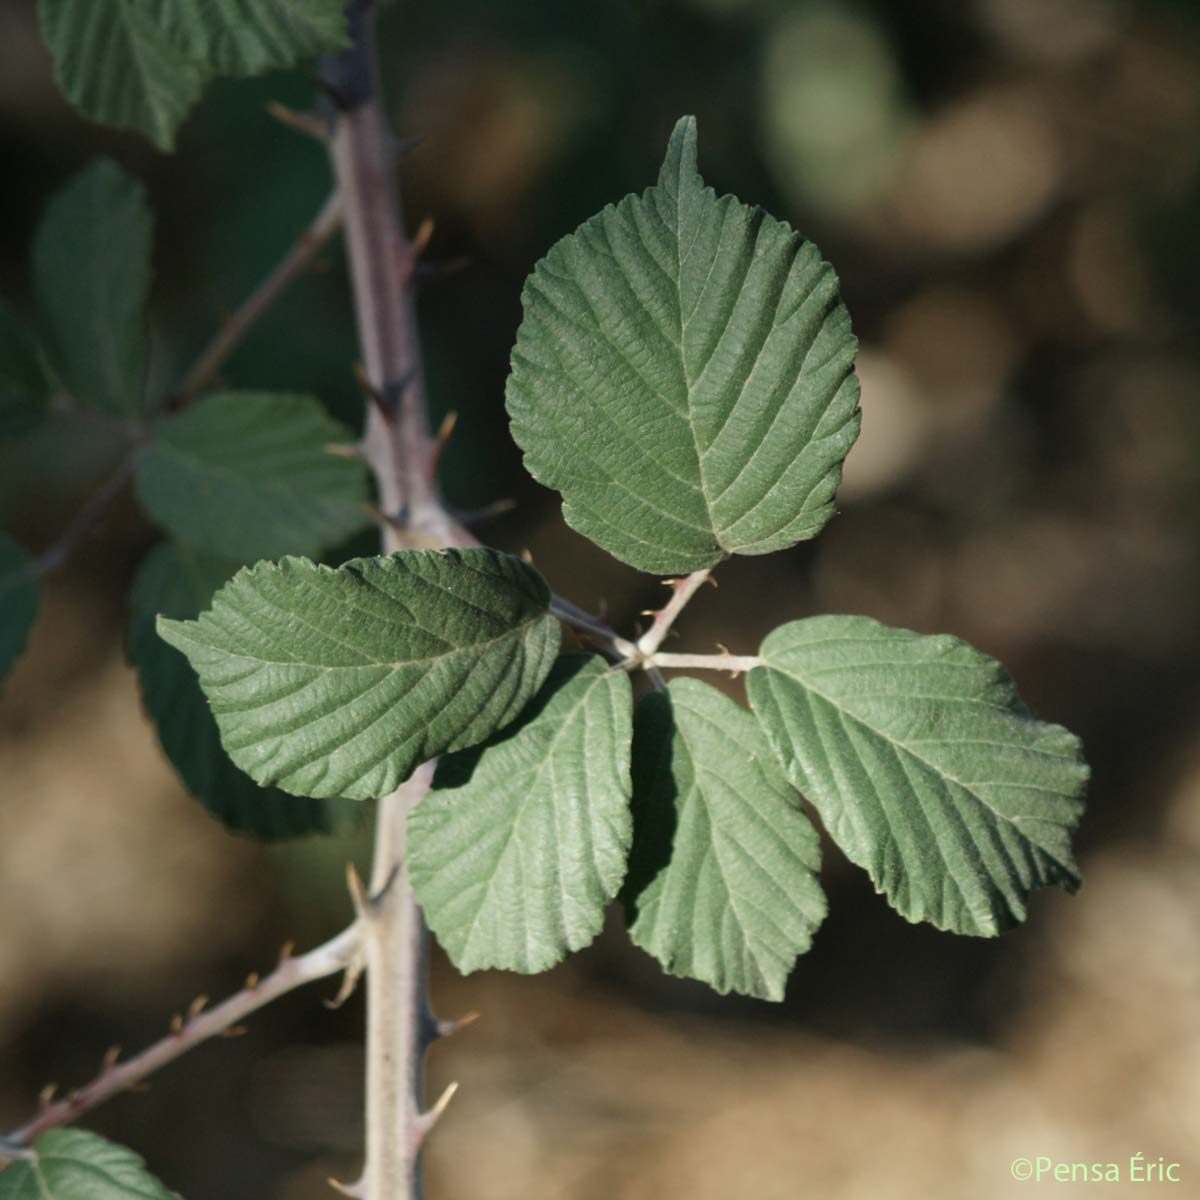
(522, 842)
(684, 376)
(248, 475)
(24, 388)
(722, 880)
(925, 766)
(72, 1164)
(91, 277)
(178, 582)
(340, 682)
(142, 64)
(18, 601)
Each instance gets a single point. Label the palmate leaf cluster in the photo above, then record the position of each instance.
(684, 377)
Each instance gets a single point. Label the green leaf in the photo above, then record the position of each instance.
(24, 388)
(341, 682)
(247, 475)
(522, 842)
(72, 1164)
(683, 375)
(142, 64)
(18, 601)
(925, 767)
(178, 582)
(722, 880)
(91, 277)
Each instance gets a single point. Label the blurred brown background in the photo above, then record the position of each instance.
(1010, 191)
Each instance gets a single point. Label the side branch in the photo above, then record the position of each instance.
(327, 959)
(735, 664)
(682, 590)
(231, 334)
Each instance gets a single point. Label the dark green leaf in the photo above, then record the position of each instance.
(522, 842)
(142, 64)
(91, 276)
(178, 582)
(24, 388)
(683, 375)
(722, 880)
(925, 767)
(341, 682)
(248, 475)
(72, 1164)
(18, 601)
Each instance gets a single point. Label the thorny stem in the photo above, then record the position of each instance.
(204, 370)
(200, 1025)
(682, 590)
(400, 451)
(733, 663)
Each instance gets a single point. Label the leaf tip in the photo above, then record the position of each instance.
(682, 154)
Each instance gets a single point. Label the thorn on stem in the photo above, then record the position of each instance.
(447, 1027)
(373, 394)
(445, 429)
(196, 1007)
(358, 893)
(286, 951)
(382, 518)
(307, 123)
(251, 981)
(140, 1086)
(110, 1058)
(234, 1031)
(345, 449)
(350, 978)
(177, 1024)
(427, 1120)
(46, 1095)
(527, 556)
(358, 1190)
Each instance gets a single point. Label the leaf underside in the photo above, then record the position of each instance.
(73, 1164)
(91, 277)
(248, 475)
(340, 682)
(722, 882)
(178, 582)
(18, 601)
(925, 766)
(522, 842)
(142, 64)
(684, 376)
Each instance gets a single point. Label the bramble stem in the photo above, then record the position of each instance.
(402, 454)
(232, 332)
(733, 663)
(682, 590)
(327, 959)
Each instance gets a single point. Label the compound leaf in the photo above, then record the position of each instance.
(248, 475)
(340, 682)
(684, 376)
(72, 1164)
(722, 880)
(142, 64)
(522, 842)
(91, 277)
(18, 601)
(925, 766)
(178, 582)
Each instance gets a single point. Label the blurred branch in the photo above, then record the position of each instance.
(585, 622)
(93, 509)
(231, 334)
(338, 954)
